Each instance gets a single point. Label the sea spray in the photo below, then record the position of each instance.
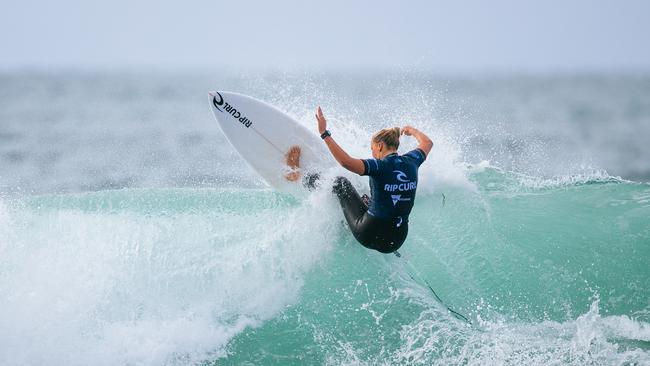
(171, 277)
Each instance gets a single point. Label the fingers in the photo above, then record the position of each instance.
(319, 114)
(407, 130)
(322, 122)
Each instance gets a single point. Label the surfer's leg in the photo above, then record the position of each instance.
(293, 162)
(352, 205)
(371, 232)
(380, 234)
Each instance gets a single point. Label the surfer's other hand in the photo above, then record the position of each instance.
(407, 130)
(322, 123)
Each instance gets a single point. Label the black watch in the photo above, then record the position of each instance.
(325, 134)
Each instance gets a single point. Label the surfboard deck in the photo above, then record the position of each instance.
(262, 134)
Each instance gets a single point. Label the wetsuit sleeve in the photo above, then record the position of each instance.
(417, 155)
(371, 166)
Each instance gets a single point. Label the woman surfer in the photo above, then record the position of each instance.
(383, 223)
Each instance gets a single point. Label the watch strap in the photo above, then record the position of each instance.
(325, 134)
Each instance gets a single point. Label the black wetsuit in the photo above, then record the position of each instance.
(383, 225)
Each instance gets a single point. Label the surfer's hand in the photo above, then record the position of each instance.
(424, 142)
(408, 130)
(322, 123)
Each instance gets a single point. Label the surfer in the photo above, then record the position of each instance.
(381, 223)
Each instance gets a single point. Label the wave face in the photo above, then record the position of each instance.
(546, 271)
(131, 233)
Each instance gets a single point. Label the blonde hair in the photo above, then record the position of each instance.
(388, 136)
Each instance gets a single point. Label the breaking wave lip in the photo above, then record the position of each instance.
(527, 181)
(596, 177)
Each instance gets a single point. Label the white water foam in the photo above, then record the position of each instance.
(435, 339)
(79, 287)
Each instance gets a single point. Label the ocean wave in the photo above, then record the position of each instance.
(180, 276)
(148, 277)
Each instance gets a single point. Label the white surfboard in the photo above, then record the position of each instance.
(262, 135)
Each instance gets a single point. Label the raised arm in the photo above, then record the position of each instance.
(424, 142)
(343, 158)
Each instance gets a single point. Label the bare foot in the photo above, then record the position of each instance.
(293, 161)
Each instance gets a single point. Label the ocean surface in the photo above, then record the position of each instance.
(131, 232)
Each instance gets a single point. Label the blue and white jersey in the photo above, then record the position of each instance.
(393, 181)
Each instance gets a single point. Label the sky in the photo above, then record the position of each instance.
(457, 36)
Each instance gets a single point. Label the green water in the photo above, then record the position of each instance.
(546, 271)
(522, 263)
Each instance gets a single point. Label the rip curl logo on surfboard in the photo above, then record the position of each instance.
(227, 108)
